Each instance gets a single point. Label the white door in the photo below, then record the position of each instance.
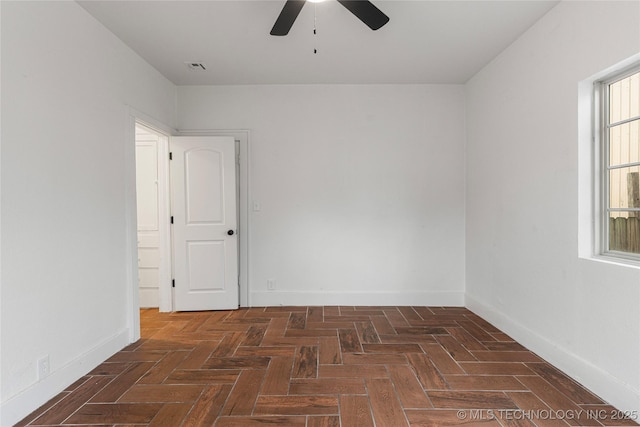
(203, 200)
(148, 218)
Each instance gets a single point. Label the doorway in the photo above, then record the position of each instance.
(153, 218)
(165, 291)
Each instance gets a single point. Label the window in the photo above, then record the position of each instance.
(620, 139)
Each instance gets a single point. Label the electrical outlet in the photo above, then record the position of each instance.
(271, 284)
(43, 367)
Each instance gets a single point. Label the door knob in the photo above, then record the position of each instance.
(230, 232)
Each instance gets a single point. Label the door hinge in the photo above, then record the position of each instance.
(170, 155)
(173, 283)
(171, 219)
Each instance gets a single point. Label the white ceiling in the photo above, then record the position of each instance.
(425, 41)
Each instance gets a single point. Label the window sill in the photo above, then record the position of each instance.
(616, 260)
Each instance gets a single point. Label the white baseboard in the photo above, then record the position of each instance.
(19, 406)
(149, 297)
(415, 298)
(616, 392)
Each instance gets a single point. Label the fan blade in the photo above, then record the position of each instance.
(367, 12)
(287, 17)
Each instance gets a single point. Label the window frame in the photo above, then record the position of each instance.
(603, 167)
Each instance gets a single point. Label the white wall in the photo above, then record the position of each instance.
(66, 84)
(361, 189)
(523, 271)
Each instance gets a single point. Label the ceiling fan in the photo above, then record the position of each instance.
(364, 10)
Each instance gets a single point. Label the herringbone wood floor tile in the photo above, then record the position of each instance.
(339, 366)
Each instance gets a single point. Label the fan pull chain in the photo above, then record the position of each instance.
(315, 51)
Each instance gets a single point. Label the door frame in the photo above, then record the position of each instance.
(134, 117)
(131, 250)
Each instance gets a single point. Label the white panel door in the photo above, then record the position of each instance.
(203, 200)
(147, 195)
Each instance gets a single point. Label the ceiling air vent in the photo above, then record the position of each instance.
(196, 66)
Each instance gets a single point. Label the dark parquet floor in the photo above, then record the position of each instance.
(324, 367)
